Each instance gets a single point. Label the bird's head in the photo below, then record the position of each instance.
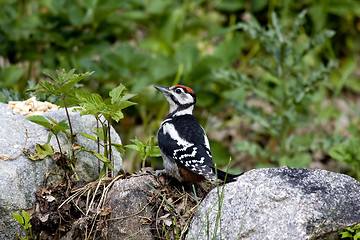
(180, 98)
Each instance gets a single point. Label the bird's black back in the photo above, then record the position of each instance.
(189, 130)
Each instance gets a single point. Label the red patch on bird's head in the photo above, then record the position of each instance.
(185, 87)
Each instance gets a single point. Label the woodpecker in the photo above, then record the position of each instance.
(183, 144)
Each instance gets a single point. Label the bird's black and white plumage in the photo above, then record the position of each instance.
(183, 143)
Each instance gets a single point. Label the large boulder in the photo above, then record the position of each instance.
(128, 199)
(279, 203)
(21, 177)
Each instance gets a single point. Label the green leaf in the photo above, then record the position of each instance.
(61, 126)
(357, 227)
(357, 236)
(124, 104)
(155, 152)
(102, 158)
(117, 93)
(10, 76)
(45, 149)
(151, 149)
(58, 126)
(119, 147)
(27, 219)
(18, 218)
(346, 235)
(40, 120)
(138, 146)
(133, 147)
(91, 137)
(64, 76)
(51, 74)
(49, 137)
(92, 102)
(48, 88)
(100, 135)
(71, 80)
(42, 151)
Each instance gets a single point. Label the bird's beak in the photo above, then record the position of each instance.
(164, 90)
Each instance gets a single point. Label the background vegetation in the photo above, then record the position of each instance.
(277, 81)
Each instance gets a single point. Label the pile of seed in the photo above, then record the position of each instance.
(31, 107)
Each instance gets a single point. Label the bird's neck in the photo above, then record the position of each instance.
(181, 110)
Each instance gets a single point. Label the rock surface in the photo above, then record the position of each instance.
(20, 178)
(128, 199)
(280, 203)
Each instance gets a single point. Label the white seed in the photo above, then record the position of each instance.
(43, 108)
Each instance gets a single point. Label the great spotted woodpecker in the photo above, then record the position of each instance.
(183, 143)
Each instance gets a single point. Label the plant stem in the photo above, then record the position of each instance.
(281, 75)
(98, 141)
(110, 150)
(71, 131)
(106, 154)
(58, 142)
(61, 154)
(144, 160)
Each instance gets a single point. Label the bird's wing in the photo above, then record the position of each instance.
(195, 157)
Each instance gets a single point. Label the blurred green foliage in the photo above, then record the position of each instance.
(281, 69)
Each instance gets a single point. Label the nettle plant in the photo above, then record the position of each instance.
(291, 75)
(64, 86)
(24, 220)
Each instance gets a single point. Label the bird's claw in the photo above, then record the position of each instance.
(157, 173)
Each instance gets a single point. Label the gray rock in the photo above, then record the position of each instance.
(129, 204)
(20, 178)
(280, 203)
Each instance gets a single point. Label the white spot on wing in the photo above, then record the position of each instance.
(206, 140)
(169, 128)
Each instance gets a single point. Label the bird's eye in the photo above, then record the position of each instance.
(178, 90)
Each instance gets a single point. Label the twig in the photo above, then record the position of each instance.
(97, 187)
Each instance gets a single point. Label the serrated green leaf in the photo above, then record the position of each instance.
(64, 76)
(91, 102)
(50, 74)
(40, 120)
(48, 88)
(113, 113)
(70, 80)
(117, 93)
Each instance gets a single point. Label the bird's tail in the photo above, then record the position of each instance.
(229, 177)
